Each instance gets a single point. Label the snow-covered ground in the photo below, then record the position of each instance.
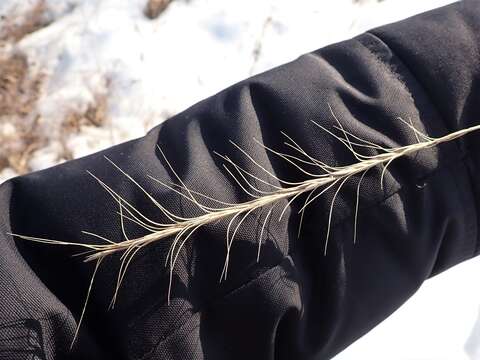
(105, 73)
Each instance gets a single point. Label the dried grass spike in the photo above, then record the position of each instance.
(179, 229)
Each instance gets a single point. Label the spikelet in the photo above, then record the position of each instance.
(178, 230)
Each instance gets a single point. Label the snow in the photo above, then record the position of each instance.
(149, 70)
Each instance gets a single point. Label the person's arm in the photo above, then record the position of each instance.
(296, 302)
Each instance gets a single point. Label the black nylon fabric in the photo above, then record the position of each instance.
(295, 303)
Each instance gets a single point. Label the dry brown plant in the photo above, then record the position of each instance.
(154, 8)
(15, 28)
(19, 92)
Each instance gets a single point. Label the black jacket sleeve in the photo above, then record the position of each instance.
(295, 303)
